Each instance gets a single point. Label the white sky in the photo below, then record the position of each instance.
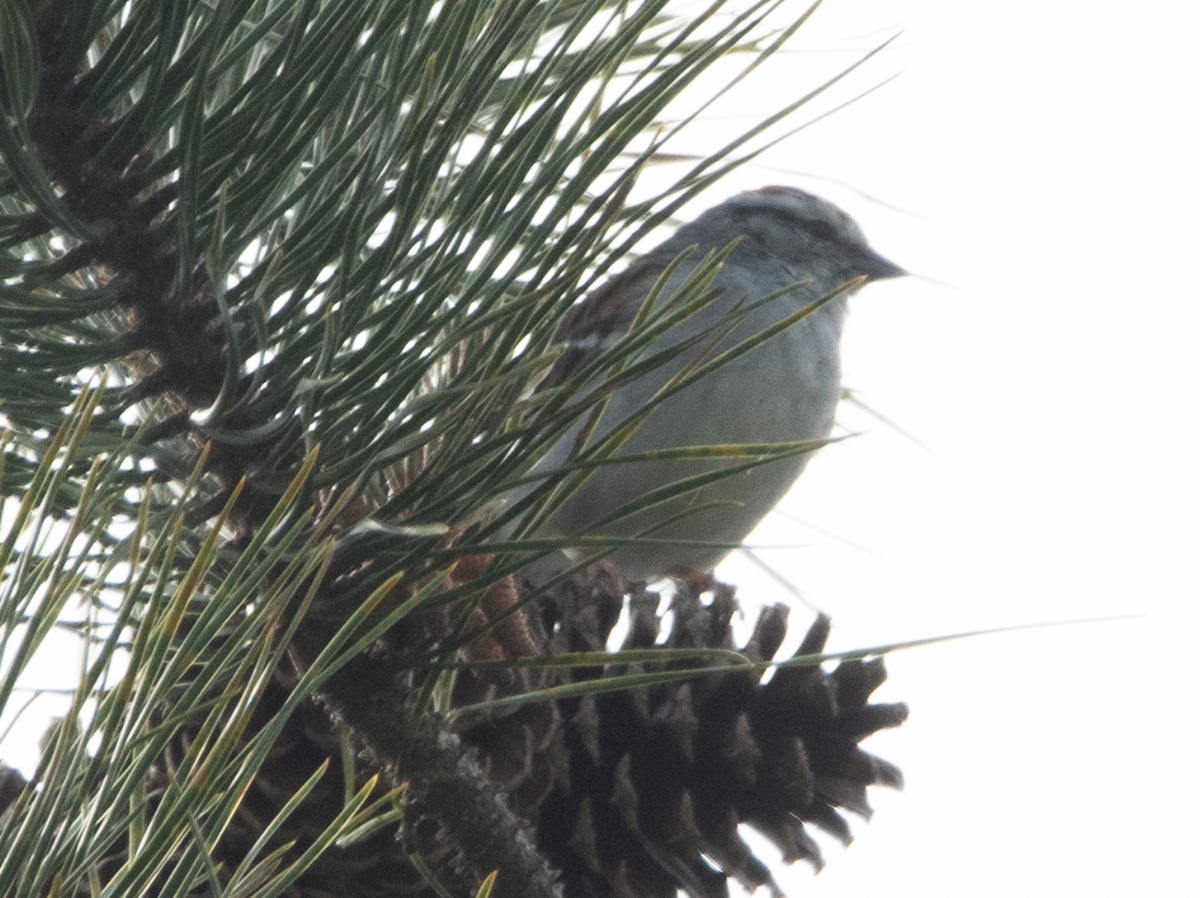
(1041, 158)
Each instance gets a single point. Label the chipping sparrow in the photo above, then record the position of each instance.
(785, 389)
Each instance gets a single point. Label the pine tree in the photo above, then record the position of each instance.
(278, 281)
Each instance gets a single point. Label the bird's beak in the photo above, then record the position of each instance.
(877, 268)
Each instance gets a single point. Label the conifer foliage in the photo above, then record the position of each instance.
(277, 280)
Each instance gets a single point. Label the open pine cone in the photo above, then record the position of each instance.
(658, 778)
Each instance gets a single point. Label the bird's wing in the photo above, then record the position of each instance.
(603, 317)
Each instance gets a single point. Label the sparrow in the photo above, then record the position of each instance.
(786, 389)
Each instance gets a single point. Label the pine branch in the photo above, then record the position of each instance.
(277, 281)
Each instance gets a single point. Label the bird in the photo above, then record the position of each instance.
(785, 389)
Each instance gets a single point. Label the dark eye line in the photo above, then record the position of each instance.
(817, 230)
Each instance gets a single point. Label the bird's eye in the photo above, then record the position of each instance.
(821, 230)
(817, 230)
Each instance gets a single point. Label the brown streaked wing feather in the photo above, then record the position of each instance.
(607, 311)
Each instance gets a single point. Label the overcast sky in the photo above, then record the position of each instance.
(1036, 163)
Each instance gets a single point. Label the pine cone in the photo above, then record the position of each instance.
(661, 776)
